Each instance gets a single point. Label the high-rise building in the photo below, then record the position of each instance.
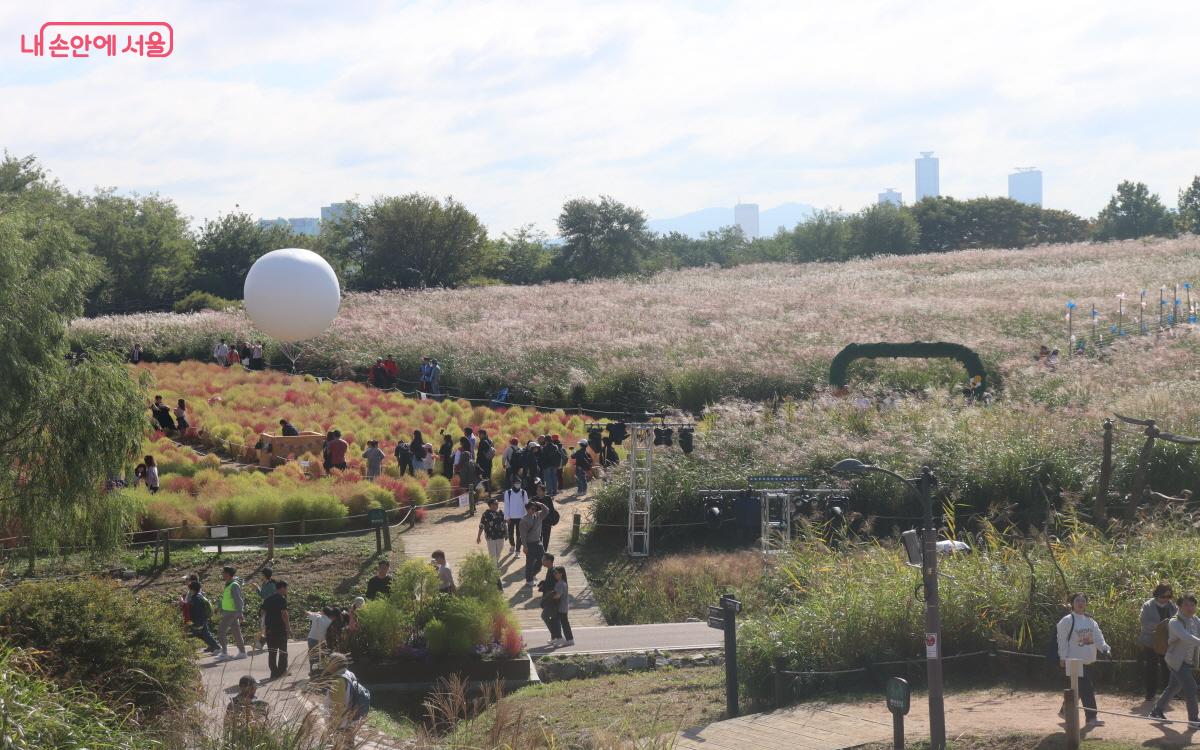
(745, 215)
(892, 196)
(927, 176)
(334, 211)
(1025, 185)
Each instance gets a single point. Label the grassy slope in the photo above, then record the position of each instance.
(748, 329)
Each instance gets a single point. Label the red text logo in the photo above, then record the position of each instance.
(68, 39)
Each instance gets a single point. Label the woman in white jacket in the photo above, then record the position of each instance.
(1079, 637)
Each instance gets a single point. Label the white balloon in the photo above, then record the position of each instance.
(292, 294)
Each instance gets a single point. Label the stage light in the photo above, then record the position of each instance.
(712, 514)
(662, 436)
(594, 439)
(617, 432)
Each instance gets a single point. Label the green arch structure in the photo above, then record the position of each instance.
(916, 350)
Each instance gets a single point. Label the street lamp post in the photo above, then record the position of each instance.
(922, 487)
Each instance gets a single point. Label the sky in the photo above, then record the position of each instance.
(514, 107)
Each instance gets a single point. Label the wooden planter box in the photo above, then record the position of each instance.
(429, 672)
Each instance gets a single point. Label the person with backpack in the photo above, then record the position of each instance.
(548, 462)
(552, 516)
(1183, 639)
(1152, 640)
(515, 498)
(232, 606)
(1079, 637)
(349, 699)
(468, 472)
(404, 458)
(264, 592)
(200, 612)
(583, 467)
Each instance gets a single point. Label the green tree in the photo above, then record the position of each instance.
(146, 248)
(524, 256)
(228, 246)
(883, 229)
(824, 236)
(1188, 216)
(64, 427)
(603, 238)
(408, 241)
(1133, 212)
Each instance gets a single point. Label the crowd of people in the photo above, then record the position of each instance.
(1168, 644)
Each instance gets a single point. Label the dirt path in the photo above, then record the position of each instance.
(453, 531)
(974, 713)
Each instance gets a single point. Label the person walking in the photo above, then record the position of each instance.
(265, 590)
(548, 462)
(491, 525)
(1157, 608)
(221, 353)
(349, 701)
(468, 473)
(562, 599)
(485, 452)
(275, 615)
(1079, 637)
(380, 584)
(531, 465)
(200, 612)
(425, 375)
(529, 531)
(232, 606)
(552, 516)
(549, 603)
(583, 468)
(446, 453)
(1183, 639)
(506, 460)
(151, 474)
(374, 458)
(256, 356)
(515, 498)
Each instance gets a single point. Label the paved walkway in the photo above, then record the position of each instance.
(671, 636)
(999, 711)
(453, 531)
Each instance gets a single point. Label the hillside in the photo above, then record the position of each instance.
(688, 335)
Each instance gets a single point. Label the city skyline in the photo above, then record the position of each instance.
(515, 108)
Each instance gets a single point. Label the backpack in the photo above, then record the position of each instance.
(403, 452)
(1162, 636)
(1052, 654)
(517, 459)
(201, 609)
(360, 696)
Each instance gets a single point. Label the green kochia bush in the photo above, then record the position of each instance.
(841, 611)
(126, 648)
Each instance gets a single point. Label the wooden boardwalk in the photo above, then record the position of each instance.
(797, 728)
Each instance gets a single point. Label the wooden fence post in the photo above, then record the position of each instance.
(778, 667)
(387, 537)
(164, 538)
(271, 543)
(302, 525)
(575, 522)
(1071, 712)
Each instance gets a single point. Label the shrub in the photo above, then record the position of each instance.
(199, 301)
(384, 628)
(477, 576)
(460, 624)
(367, 496)
(308, 507)
(94, 632)
(438, 488)
(40, 714)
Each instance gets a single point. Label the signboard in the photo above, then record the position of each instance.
(218, 532)
(716, 617)
(931, 646)
(377, 517)
(769, 478)
(898, 693)
(731, 604)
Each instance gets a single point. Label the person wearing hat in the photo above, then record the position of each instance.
(348, 700)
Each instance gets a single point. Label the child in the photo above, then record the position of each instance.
(561, 595)
(151, 474)
(316, 635)
(244, 708)
(445, 576)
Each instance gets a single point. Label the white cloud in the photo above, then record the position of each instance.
(515, 106)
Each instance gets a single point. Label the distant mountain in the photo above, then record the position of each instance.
(697, 223)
